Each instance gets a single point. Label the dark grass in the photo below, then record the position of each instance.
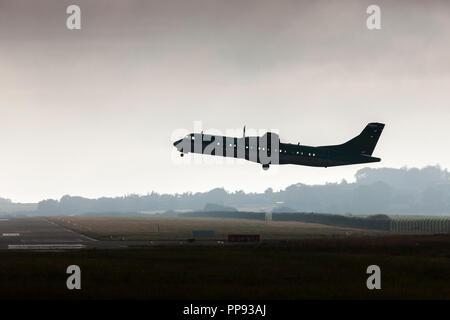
(413, 267)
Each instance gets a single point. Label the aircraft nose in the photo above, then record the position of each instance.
(177, 142)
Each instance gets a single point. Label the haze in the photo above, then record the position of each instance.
(93, 112)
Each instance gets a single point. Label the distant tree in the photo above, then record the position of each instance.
(376, 190)
(48, 207)
(5, 201)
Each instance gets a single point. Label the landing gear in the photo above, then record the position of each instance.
(265, 166)
(182, 154)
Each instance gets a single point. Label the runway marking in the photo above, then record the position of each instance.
(81, 235)
(45, 246)
(77, 233)
(1, 219)
(11, 234)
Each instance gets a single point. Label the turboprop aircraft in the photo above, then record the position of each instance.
(268, 149)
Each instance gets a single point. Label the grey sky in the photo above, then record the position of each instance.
(91, 112)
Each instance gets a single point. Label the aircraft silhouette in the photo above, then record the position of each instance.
(267, 149)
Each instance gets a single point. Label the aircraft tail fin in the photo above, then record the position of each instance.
(365, 142)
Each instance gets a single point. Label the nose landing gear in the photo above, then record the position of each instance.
(265, 166)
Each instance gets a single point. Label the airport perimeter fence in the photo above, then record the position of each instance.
(420, 225)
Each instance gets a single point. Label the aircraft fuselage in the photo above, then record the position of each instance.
(253, 149)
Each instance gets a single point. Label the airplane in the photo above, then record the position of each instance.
(267, 149)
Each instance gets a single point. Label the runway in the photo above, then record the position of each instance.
(41, 234)
(38, 234)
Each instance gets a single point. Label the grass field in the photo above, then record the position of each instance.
(412, 267)
(114, 228)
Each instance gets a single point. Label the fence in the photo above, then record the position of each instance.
(420, 224)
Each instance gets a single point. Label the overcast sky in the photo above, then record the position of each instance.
(93, 112)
